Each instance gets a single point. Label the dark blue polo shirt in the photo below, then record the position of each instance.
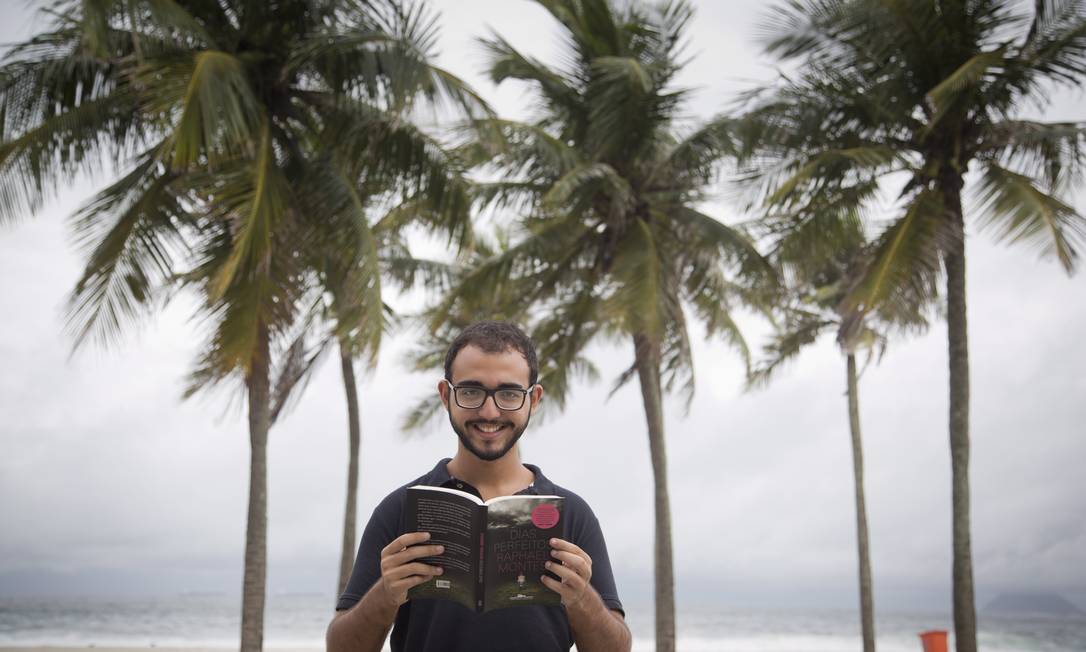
(427, 625)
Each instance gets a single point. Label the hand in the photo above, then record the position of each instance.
(400, 571)
(573, 566)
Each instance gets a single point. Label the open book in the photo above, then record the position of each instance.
(494, 551)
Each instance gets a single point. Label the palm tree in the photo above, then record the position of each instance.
(612, 244)
(237, 133)
(928, 90)
(341, 316)
(821, 255)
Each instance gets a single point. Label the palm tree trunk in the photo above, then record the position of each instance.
(867, 600)
(346, 560)
(965, 616)
(647, 357)
(256, 531)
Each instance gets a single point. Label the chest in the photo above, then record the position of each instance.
(444, 626)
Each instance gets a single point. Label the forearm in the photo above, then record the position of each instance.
(596, 628)
(363, 627)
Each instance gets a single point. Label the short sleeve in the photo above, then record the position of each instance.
(585, 532)
(382, 528)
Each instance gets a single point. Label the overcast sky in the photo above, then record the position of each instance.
(110, 484)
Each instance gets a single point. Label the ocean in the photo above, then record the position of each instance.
(298, 621)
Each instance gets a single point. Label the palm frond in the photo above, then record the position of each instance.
(169, 21)
(626, 108)
(423, 414)
(219, 114)
(353, 276)
(712, 299)
(130, 257)
(811, 29)
(698, 153)
(805, 242)
(803, 328)
(1055, 48)
(62, 112)
(526, 148)
(527, 270)
(506, 62)
(518, 196)
(255, 201)
(387, 150)
(1058, 150)
(409, 272)
(951, 91)
(581, 186)
(905, 260)
(733, 245)
(35, 164)
(294, 370)
(817, 172)
(381, 64)
(1017, 211)
(591, 25)
(561, 336)
(638, 301)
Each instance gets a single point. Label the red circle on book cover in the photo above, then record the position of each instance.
(545, 516)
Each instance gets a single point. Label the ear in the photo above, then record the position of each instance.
(443, 392)
(536, 395)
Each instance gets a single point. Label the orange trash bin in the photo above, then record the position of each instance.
(934, 641)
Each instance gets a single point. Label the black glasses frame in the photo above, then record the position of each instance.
(489, 393)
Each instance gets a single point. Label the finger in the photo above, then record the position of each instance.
(408, 582)
(408, 570)
(566, 546)
(568, 576)
(576, 562)
(556, 586)
(403, 541)
(412, 553)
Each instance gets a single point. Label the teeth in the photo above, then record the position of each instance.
(488, 428)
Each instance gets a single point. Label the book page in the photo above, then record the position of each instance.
(519, 529)
(452, 521)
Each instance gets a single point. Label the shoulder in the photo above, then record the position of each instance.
(573, 500)
(579, 513)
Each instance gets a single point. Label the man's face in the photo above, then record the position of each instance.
(487, 431)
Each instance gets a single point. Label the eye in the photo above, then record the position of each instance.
(470, 393)
(508, 395)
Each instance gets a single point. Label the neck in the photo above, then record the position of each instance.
(503, 476)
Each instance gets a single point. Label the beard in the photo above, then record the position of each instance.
(487, 456)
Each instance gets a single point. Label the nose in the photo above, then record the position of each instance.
(489, 409)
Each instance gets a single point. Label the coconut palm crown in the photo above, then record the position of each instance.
(931, 93)
(820, 258)
(242, 134)
(612, 244)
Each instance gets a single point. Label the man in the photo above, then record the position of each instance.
(499, 359)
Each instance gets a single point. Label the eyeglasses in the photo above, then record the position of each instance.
(472, 397)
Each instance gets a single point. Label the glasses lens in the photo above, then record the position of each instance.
(509, 399)
(470, 397)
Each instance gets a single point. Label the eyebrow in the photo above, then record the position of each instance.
(476, 383)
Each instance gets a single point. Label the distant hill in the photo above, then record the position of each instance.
(1048, 605)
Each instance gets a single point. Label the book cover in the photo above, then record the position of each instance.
(494, 551)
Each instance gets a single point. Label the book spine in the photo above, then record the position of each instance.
(480, 583)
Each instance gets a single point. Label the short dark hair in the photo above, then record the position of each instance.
(494, 337)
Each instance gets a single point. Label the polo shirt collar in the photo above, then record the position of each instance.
(439, 477)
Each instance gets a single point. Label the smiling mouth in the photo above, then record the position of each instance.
(488, 430)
